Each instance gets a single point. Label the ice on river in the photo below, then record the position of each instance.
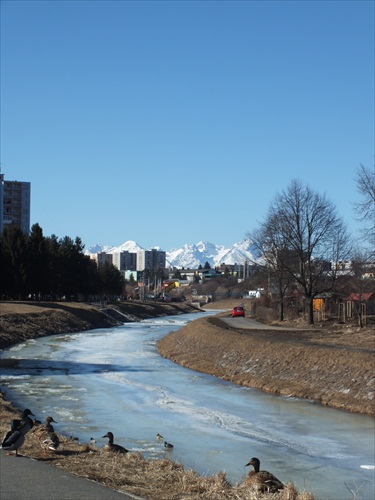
(114, 380)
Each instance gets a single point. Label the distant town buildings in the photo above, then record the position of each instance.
(133, 262)
(101, 258)
(125, 261)
(14, 204)
(154, 260)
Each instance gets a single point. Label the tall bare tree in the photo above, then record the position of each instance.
(268, 242)
(366, 208)
(304, 238)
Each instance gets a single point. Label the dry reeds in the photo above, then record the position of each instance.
(132, 473)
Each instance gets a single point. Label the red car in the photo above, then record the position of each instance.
(238, 311)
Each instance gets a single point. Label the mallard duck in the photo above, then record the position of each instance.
(159, 437)
(47, 436)
(15, 437)
(50, 441)
(14, 426)
(262, 480)
(169, 446)
(12, 441)
(48, 424)
(46, 427)
(25, 423)
(110, 446)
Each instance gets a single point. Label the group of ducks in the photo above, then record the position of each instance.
(15, 437)
(116, 448)
(169, 446)
(261, 480)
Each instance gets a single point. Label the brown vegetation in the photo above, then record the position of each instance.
(20, 321)
(230, 356)
(132, 473)
(332, 365)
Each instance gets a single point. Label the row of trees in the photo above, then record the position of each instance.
(38, 267)
(302, 240)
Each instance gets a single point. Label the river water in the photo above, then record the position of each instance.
(115, 380)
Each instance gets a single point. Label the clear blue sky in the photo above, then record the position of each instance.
(173, 122)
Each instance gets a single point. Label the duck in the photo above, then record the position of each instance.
(25, 423)
(111, 447)
(169, 446)
(14, 426)
(51, 441)
(46, 427)
(12, 441)
(15, 437)
(48, 424)
(159, 437)
(47, 436)
(263, 481)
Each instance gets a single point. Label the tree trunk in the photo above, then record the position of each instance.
(360, 315)
(281, 310)
(310, 311)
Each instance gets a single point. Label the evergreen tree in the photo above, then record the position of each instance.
(14, 262)
(38, 262)
(55, 270)
(112, 282)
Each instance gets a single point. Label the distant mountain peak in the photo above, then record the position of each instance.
(128, 246)
(191, 256)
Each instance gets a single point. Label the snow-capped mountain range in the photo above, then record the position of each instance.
(191, 256)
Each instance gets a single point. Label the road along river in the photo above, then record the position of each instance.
(115, 380)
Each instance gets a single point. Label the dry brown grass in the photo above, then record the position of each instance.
(334, 366)
(20, 321)
(132, 473)
(230, 356)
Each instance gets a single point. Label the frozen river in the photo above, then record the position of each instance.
(114, 380)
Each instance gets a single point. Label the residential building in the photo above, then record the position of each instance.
(240, 270)
(15, 204)
(101, 257)
(151, 260)
(125, 261)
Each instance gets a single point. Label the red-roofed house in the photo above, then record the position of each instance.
(361, 305)
(363, 297)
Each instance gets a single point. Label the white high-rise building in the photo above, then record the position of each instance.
(15, 198)
(153, 260)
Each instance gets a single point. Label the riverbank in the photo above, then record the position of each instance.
(148, 479)
(332, 365)
(20, 321)
(131, 473)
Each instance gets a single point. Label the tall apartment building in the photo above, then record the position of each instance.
(15, 204)
(101, 257)
(153, 260)
(125, 261)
